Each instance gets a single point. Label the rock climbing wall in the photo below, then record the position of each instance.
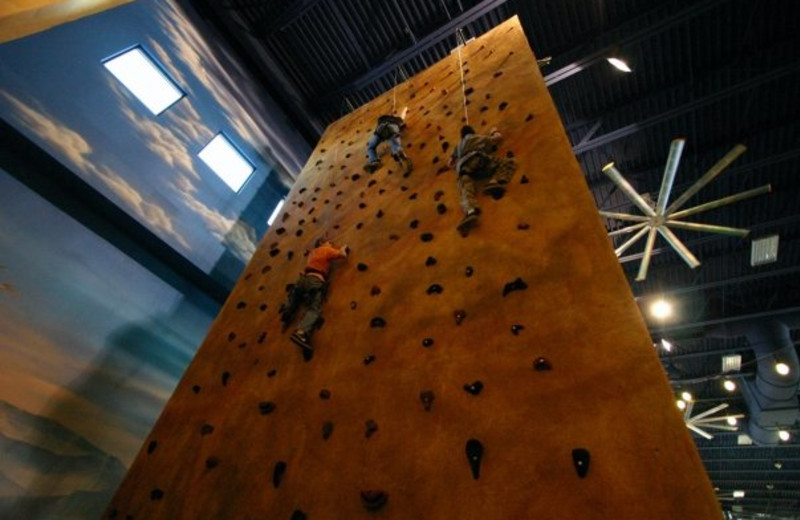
(503, 375)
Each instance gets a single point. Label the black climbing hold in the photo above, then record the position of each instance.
(522, 226)
(373, 500)
(362, 267)
(355, 177)
(541, 364)
(277, 473)
(427, 342)
(241, 305)
(445, 146)
(324, 394)
(151, 447)
(265, 269)
(517, 285)
(580, 459)
(212, 462)
(369, 359)
(438, 195)
(261, 337)
(459, 316)
(430, 261)
(498, 73)
(266, 407)
(298, 233)
(359, 225)
(196, 389)
(262, 307)
(468, 271)
(225, 378)
(327, 430)
(206, 429)
(353, 306)
(441, 209)
(503, 105)
(394, 237)
(474, 455)
(156, 494)
(435, 289)
(413, 196)
(413, 224)
(372, 183)
(524, 180)
(272, 373)
(377, 322)
(427, 398)
(516, 328)
(528, 117)
(426, 237)
(469, 91)
(379, 214)
(275, 252)
(231, 336)
(243, 344)
(510, 154)
(299, 515)
(370, 427)
(375, 291)
(474, 388)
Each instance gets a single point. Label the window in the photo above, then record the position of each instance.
(227, 162)
(146, 80)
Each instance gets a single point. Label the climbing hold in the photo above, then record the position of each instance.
(438, 195)
(377, 322)
(503, 105)
(265, 269)
(459, 316)
(225, 377)
(468, 271)
(241, 305)
(362, 267)
(580, 459)
(355, 177)
(541, 364)
(266, 407)
(441, 209)
(212, 462)
(327, 430)
(353, 305)
(516, 285)
(522, 226)
(262, 307)
(379, 214)
(359, 225)
(516, 328)
(374, 500)
(272, 373)
(275, 252)
(430, 261)
(206, 429)
(261, 338)
(369, 359)
(474, 388)
(299, 515)
(413, 196)
(435, 289)
(474, 455)
(196, 389)
(324, 394)
(151, 447)
(370, 427)
(156, 494)
(498, 73)
(375, 291)
(394, 237)
(413, 224)
(426, 237)
(427, 342)
(231, 336)
(277, 473)
(427, 398)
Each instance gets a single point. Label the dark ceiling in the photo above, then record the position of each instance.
(716, 72)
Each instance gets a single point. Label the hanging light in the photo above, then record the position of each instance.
(661, 309)
(738, 493)
(784, 435)
(686, 396)
(619, 64)
(782, 368)
(666, 344)
(729, 385)
(732, 421)
(681, 404)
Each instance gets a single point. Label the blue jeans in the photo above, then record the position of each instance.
(375, 140)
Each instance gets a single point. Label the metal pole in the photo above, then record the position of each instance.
(707, 177)
(675, 151)
(648, 251)
(624, 216)
(627, 189)
(635, 238)
(722, 202)
(681, 249)
(722, 230)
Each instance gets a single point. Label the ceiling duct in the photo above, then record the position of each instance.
(771, 398)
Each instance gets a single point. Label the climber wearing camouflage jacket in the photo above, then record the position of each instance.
(388, 129)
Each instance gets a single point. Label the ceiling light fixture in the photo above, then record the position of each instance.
(738, 493)
(784, 435)
(729, 385)
(666, 344)
(681, 404)
(686, 396)
(619, 64)
(782, 368)
(661, 309)
(733, 421)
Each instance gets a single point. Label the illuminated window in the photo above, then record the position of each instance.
(227, 162)
(146, 80)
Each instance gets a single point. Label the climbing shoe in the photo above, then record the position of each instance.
(494, 189)
(372, 167)
(301, 339)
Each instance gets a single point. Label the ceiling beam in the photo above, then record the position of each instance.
(445, 31)
(661, 25)
(266, 28)
(633, 128)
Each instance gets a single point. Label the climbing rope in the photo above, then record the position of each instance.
(394, 92)
(460, 43)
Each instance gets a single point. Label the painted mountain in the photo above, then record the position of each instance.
(47, 471)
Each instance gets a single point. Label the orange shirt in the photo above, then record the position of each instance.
(320, 258)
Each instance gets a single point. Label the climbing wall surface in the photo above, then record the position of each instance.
(503, 375)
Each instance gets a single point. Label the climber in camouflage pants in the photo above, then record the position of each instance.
(388, 129)
(476, 160)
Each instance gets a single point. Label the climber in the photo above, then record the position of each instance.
(388, 129)
(309, 290)
(475, 160)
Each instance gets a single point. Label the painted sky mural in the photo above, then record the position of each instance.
(92, 343)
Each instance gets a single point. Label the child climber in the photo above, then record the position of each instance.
(476, 160)
(388, 129)
(309, 290)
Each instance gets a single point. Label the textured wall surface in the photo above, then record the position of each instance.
(249, 404)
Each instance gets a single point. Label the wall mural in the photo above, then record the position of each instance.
(91, 342)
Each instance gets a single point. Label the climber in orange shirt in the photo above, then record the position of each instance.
(309, 290)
